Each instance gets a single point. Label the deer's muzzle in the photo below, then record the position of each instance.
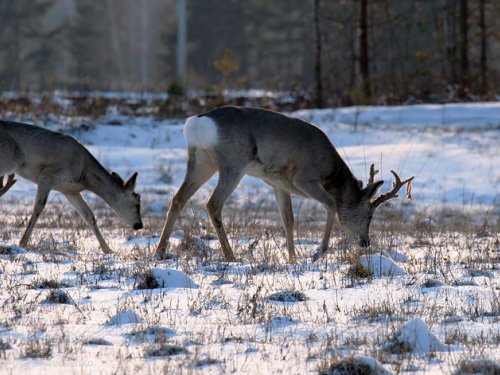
(137, 226)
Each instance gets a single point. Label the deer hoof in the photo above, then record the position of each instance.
(320, 253)
(107, 250)
(159, 255)
(230, 259)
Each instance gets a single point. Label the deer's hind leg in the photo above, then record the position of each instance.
(8, 184)
(200, 167)
(11, 157)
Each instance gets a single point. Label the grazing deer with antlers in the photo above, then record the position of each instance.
(291, 155)
(59, 162)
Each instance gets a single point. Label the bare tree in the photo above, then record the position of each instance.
(364, 58)
(318, 62)
(464, 47)
(484, 57)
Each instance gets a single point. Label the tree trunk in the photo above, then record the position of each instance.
(364, 60)
(464, 53)
(115, 43)
(483, 58)
(318, 65)
(451, 45)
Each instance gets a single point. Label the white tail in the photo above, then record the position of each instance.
(58, 162)
(291, 155)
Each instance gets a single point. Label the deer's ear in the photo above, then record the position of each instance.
(117, 178)
(130, 184)
(372, 188)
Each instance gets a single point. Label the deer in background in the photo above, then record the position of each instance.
(291, 155)
(55, 161)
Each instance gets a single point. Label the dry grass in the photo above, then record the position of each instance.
(311, 317)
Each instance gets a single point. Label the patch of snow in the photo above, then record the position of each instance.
(170, 278)
(124, 317)
(416, 337)
(379, 266)
(397, 256)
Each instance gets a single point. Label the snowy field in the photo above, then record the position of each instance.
(425, 299)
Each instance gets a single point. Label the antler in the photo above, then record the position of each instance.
(396, 186)
(373, 172)
(10, 181)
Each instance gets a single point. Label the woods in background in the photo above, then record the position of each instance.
(334, 52)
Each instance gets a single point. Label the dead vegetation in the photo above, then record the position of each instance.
(313, 317)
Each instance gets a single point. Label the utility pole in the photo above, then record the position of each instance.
(181, 42)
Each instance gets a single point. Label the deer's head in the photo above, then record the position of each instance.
(356, 212)
(128, 202)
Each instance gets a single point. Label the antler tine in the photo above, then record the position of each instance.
(10, 181)
(373, 172)
(396, 186)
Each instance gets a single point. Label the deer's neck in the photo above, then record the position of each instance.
(343, 185)
(100, 182)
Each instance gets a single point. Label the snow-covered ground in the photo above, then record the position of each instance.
(430, 300)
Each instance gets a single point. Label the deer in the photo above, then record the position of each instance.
(54, 161)
(289, 154)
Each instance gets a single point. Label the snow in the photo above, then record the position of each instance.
(379, 265)
(125, 317)
(432, 292)
(170, 278)
(416, 337)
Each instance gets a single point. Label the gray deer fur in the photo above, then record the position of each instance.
(59, 162)
(291, 155)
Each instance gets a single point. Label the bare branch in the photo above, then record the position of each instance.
(396, 186)
(10, 181)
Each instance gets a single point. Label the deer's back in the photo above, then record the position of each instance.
(43, 149)
(268, 144)
(269, 132)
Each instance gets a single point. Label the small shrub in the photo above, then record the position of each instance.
(97, 341)
(59, 296)
(208, 361)
(288, 296)
(165, 350)
(354, 366)
(37, 349)
(155, 334)
(357, 271)
(4, 346)
(478, 366)
(147, 281)
(432, 283)
(48, 284)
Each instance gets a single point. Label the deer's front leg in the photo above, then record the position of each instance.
(42, 194)
(228, 180)
(286, 212)
(315, 190)
(323, 248)
(86, 213)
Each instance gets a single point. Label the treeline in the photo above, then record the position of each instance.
(329, 52)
